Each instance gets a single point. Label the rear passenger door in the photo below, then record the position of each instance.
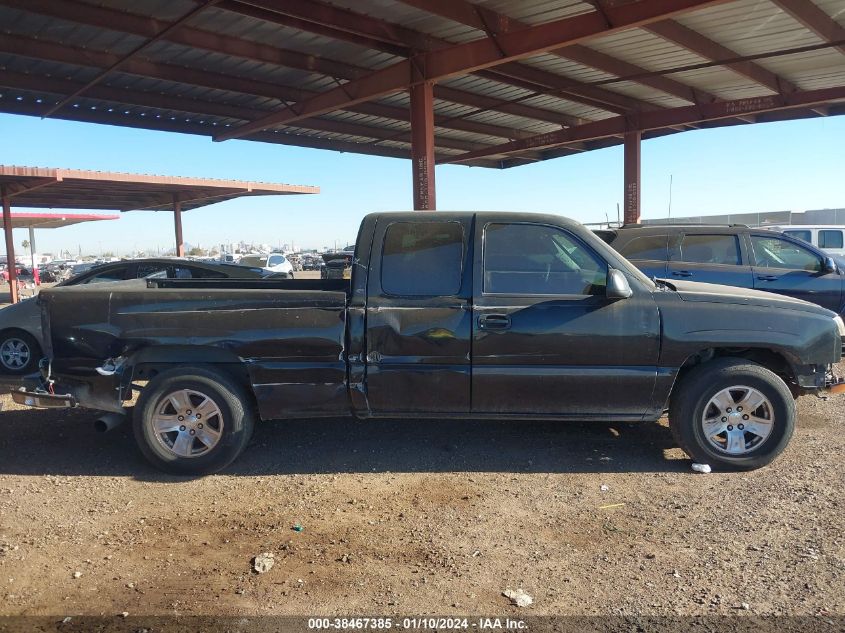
(649, 253)
(713, 258)
(418, 316)
(785, 266)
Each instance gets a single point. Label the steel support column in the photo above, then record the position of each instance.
(632, 177)
(32, 248)
(10, 244)
(422, 146)
(177, 222)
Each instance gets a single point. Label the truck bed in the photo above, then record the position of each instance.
(288, 334)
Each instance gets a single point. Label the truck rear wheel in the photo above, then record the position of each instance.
(193, 421)
(732, 414)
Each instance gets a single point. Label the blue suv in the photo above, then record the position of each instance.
(734, 255)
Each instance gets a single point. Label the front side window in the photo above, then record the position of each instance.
(535, 259)
(422, 259)
(774, 252)
(653, 247)
(830, 238)
(275, 260)
(710, 249)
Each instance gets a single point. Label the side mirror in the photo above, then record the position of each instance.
(829, 265)
(617, 285)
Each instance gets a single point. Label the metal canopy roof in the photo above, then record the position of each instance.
(80, 189)
(53, 220)
(516, 81)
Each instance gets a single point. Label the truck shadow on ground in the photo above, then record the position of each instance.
(64, 442)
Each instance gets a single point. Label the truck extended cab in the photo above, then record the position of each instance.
(492, 315)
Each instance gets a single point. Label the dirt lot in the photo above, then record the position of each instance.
(436, 517)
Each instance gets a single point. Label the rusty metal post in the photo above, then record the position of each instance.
(177, 221)
(632, 177)
(422, 146)
(10, 244)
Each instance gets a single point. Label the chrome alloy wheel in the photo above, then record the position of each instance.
(737, 420)
(14, 353)
(187, 423)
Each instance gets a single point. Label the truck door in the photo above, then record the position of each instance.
(418, 315)
(546, 339)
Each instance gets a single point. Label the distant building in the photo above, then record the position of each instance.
(762, 218)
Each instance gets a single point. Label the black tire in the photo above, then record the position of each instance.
(236, 414)
(692, 395)
(8, 364)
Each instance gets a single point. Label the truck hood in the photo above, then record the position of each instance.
(716, 293)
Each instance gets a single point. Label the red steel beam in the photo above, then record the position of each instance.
(141, 26)
(10, 243)
(422, 146)
(364, 30)
(493, 23)
(815, 19)
(703, 46)
(193, 127)
(51, 51)
(177, 225)
(477, 55)
(632, 177)
(170, 28)
(661, 119)
(125, 97)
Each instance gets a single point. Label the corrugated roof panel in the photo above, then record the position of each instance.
(748, 27)
(560, 65)
(722, 82)
(412, 18)
(537, 11)
(644, 49)
(799, 68)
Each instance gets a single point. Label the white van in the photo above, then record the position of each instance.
(830, 239)
(274, 262)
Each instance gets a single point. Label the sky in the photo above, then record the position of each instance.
(791, 165)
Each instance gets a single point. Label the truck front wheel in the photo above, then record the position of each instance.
(732, 414)
(193, 421)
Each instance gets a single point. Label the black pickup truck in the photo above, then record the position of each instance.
(491, 315)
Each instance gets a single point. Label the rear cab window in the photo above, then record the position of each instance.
(422, 259)
(710, 249)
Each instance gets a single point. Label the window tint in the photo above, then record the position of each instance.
(180, 272)
(647, 247)
(145, 270)
(422, 258)
(202, 273)
(807, 236)
(275, 260)
(538, 259)
(710, 249)
(774, 252)
(830, 238)
(113, 274)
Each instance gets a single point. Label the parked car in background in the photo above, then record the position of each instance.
(338, 265)
(273, 262)
(830, 239)
(20, 324)
(734, 256)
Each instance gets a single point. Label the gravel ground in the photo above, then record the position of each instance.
(437, 517)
